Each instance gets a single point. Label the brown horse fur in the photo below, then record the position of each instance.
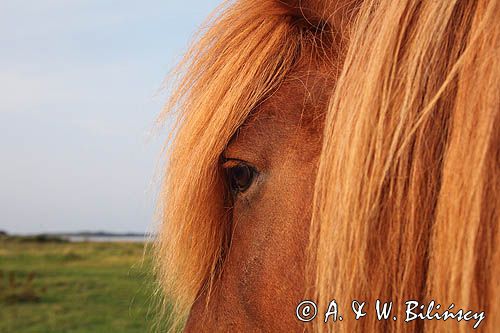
(377, 155)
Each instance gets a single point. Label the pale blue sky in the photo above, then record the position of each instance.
(79, 95)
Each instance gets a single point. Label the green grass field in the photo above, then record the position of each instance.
(75, 287)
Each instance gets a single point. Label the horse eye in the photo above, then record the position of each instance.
(240, 177)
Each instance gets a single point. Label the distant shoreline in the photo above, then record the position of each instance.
(82, 236)
(102, 234)
(98, 239)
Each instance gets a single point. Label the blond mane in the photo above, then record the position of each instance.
(407, 202)
(407, 194)
(234, 65)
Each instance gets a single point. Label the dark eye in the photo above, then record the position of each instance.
(240, 177)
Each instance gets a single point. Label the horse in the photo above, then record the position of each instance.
(333, 150)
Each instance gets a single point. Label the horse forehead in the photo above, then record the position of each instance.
(294, 112)
(300, 101)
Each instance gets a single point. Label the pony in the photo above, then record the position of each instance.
(333, 149)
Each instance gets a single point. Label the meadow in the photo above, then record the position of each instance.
(54, 286)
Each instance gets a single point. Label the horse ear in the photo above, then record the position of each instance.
(337, 13)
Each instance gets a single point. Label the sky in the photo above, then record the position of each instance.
(79, 95)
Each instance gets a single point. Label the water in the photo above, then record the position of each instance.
(131, 239)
